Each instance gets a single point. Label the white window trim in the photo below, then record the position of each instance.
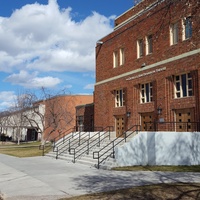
(119, 98)
(181, 86)
(184, 28)
(147, 45)
(115, 59)
(143, 99)
(122, 58)
(138, 48)
(172, 42)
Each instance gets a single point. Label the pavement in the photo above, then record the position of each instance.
(45, 178)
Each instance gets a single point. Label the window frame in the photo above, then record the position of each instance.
(183, 86)
(146, 92)
(149, 44)
(187, 27)
(121, 56)
(140, 48)
(174, 33)
(115, 59)
(119, 98)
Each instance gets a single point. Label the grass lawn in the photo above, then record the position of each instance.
(176, 191)
(23, 150)
(193, 168)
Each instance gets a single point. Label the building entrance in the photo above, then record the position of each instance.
(120, 125)
(147, 121)
(184, 117)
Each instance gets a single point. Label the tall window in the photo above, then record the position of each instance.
(140, 48)
(149, 44)
(115, 59)
(187, 28)
(121, 59)
(119, 98)
(174, 33)
(146, 94)
(183, 85)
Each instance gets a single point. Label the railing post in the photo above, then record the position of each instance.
(69, 145)
(88, 146)
(74, 155)
(109, 132)
(99, 139)
(79, 138)
(43, 151)
(113, 150)
(98, 160)
(57, 153)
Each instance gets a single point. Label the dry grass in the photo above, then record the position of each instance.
(23, 150)
(178, 191)
(193, 168)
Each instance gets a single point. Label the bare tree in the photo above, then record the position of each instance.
(51, 115)
(48, 114)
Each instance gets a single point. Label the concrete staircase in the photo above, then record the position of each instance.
(82, 154)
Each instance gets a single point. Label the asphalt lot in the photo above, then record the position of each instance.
(45, 178)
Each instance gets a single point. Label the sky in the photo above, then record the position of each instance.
(51, 44)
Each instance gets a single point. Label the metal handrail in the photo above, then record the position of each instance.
(63, 134)
(71, 130)
(72, 142)
(88, 142)
(172, 126)
(113, 144)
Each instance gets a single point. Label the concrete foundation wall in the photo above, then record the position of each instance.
(160, 148)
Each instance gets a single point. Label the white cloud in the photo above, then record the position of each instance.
(28, 80)
(89, 86)
(6, 99)
(45, 38)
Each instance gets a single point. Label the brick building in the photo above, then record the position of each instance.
(60, 114)
(148, 68)
(85, 117)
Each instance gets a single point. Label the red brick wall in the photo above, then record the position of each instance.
(156, 22)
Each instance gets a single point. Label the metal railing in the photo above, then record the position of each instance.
(73, 142)
(111, 146)
(91, 142)
(55, 139)
(61, 139)
(172, 126)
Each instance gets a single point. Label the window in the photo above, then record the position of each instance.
(119, 98)
(174, 34)
(121, 61)
(149, 44)
(183, 85)
(115, 59)
(140, 46)
(187, 28)
(146, 92)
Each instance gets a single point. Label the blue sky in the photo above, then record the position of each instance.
(51, 44)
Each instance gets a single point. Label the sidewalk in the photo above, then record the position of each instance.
(44, 178)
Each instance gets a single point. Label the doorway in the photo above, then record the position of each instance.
(184, 117)
(147, 121)
(120, 126)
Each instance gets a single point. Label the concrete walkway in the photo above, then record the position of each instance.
(45, 178)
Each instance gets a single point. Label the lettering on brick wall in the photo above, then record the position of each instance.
(146, 74)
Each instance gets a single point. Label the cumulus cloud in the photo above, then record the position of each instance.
(6, 99)
(46, 38)
(28, 80)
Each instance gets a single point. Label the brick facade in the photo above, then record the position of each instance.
(62, 110)
(85, 117)
(162, 67)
